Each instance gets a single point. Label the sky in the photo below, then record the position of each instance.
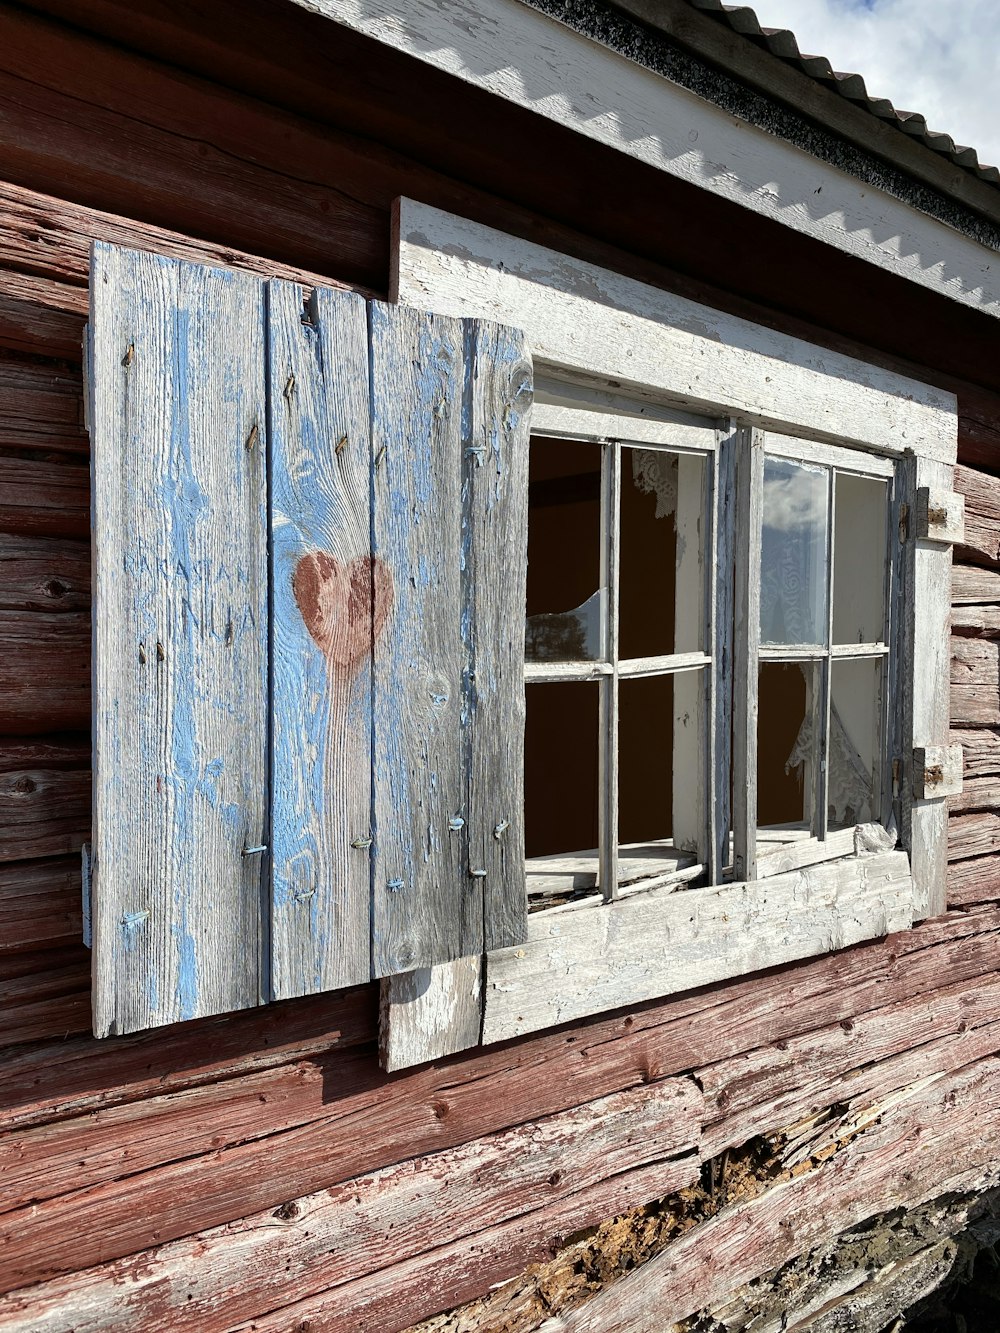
(938, 57)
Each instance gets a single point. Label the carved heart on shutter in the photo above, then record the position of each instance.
(344, 606)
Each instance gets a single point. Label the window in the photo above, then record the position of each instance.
(628, 762)
(795, 619)
(316, 627)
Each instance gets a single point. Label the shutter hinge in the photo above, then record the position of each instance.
(86, 889)
(937, 771)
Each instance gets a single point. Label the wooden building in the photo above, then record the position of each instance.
(739, 1058)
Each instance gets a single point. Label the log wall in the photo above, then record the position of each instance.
(259, 1171)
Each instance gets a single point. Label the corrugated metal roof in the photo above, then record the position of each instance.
(782, 43)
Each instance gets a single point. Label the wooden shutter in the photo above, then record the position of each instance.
(310, 529)
(177, 417)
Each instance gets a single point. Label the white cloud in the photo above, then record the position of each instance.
(938, 57)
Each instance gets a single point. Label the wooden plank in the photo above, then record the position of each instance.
(340, 1234)
(434, 1107)
(495, 534)
(43, 812)
(49, 499)
(180, 724)
(723, 593)
(973, 835)
(747, 539)
(976, 621)
(975, 682)
(39, 316)
(426, 907)
(429, 1014)
(40, 905)
(861, 1060)
(39, 574)
(79, 1075)
(608, 696)
(858, 1180)
(329, 599)
(44, 672)
(583, 962)
(976, 880)
(928, 605)
(594, 322)
(937, 771)
(940, 516)
(972, 586)
(41, 406)
(980, 750)
(979, 794)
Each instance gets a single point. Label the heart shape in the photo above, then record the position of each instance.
(344, 605)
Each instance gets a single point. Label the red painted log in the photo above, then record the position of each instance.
(43, 812)
(41, 406)
(973, 835)
(976, 880)
(42, 574)
(44, 498)
(44, 672)
(40, 905)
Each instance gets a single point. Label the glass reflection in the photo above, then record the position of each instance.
(793, 573)
(859, 560)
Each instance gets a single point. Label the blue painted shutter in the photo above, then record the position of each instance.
(309, 535)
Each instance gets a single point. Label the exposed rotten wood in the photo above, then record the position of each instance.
(979, 794)
(869, 1174)
(435, 1108)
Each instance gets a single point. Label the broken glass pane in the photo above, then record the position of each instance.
(793, 562)
(565, 603)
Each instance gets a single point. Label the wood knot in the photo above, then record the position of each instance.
(287, 1212)
(344, 605)
(23, 786)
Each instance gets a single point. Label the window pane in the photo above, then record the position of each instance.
(793, 572)
(860, 510)
(645, 750)
(661, 796)
(788, 738)
(564, 552)
(661, 591)
(855, 742)
(560, 767)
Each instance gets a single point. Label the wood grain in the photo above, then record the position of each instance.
(577, 963)
(177, 361)
(44, 672)
(426, 907)
(340, 1234)
(38, 574)
(493, 574)
(323, 599)
(598, 324)
(44, 498)
(40, 904)
(41, 405)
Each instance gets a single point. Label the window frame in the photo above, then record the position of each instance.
(610, 336)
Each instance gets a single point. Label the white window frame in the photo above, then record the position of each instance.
(623, 341)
